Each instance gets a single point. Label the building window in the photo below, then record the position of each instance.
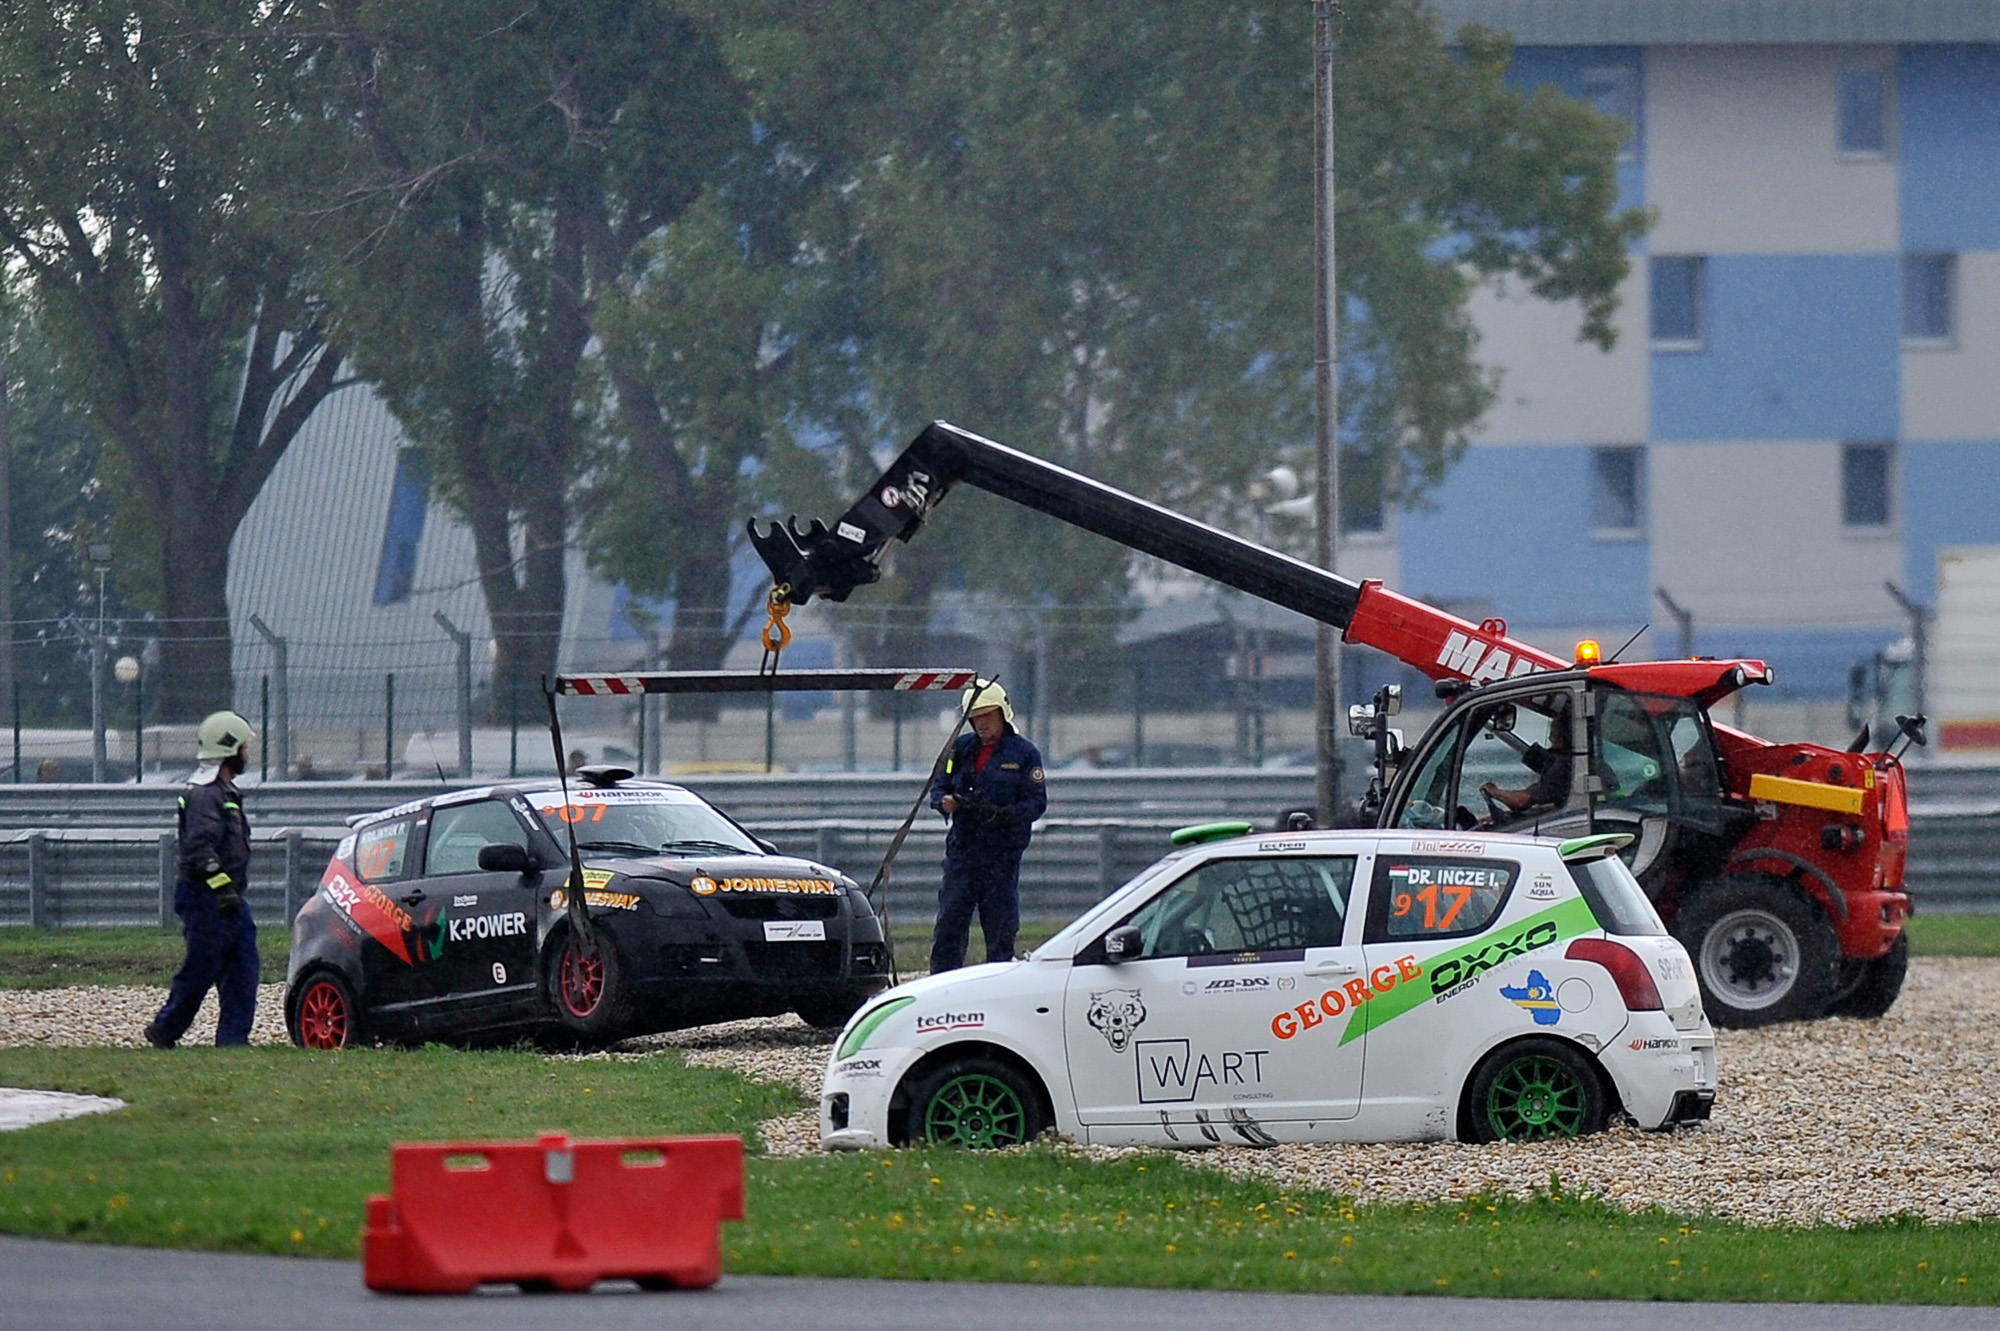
(1861, 110)
(1927, 302)
(1614, 90)
(1617, 490)
(409, 497)
(1679, 300)
(1864, 484)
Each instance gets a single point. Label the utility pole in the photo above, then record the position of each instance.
(1684, 618)
(1326, 436)
(6, 537)
(1920, 644)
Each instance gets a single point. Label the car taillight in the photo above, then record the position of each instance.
(1628, 972)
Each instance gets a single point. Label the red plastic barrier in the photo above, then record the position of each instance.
(553, 1214)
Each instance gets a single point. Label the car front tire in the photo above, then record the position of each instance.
(978, 1103)
(586, 986)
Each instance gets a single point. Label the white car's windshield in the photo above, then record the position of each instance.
(642, 822)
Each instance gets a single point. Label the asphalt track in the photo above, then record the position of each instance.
(86, 1286)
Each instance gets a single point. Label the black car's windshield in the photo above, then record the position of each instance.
(642, 822)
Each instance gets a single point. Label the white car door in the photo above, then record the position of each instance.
(1194, 1041)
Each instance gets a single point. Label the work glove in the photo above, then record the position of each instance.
(228, 897)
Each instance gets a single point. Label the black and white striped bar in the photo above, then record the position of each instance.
(750, 681)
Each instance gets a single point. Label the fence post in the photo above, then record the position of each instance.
(169, 867)
(1107, 859)
(38, 880)
(389, 727)
(278, 741)
(463, 641)
(293, 838)
(828, 849)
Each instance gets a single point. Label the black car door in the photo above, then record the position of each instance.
(485, 919)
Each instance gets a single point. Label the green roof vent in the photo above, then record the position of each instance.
(1205, 832)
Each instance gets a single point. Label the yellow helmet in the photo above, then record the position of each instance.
(222, 735)
(984, 695)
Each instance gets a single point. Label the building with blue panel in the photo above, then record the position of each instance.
(1804, 402)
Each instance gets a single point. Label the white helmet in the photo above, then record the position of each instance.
(984, 695)
(222, 735)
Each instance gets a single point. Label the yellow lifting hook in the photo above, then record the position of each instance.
(777, 633)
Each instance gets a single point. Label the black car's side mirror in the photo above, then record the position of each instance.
(768, 847)
(505, 857)
(1124, 943)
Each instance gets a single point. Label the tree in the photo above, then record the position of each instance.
(509, 159)
(699, 419)
(142, 150)
(1087, 230)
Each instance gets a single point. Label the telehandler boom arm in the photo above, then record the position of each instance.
(815, 561)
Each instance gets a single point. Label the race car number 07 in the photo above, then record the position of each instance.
(576, 813)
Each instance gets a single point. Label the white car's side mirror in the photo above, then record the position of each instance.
(1124, 943)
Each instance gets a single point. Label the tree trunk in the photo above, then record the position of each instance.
(194, 678)
(700, 638)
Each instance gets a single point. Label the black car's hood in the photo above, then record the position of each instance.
(728, 875)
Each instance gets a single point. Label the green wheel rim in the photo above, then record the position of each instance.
(976, 1110)
(1536, 1097)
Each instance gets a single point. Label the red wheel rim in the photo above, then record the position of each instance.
(582, 979)
(323, 1016)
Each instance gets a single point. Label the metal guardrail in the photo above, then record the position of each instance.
(1189, 794)
(71, 879)
(1103, 828)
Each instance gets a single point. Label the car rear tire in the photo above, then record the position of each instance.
(1762, 952)
(1535, 1090)
(587, 987)
(977, 1103)
(323, 1014)
(1880, 984)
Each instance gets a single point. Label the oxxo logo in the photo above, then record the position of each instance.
(1350, 995)
(1453, 971)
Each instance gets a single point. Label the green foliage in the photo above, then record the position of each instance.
(1087, 231)
(143, 181)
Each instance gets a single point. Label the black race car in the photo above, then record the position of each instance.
(443, 919)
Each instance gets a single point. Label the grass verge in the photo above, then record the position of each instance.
(1954, 935)
(50, 958)
(274, 1150)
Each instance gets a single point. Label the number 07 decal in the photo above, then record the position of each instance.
(575, 813)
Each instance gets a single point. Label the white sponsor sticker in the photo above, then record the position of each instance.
(849, 532)
(795, 931)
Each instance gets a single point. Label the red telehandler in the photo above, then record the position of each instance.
(1779, 866)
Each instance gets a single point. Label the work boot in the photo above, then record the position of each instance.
(155, 1037)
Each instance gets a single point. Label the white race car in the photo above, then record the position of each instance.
(1308, 986)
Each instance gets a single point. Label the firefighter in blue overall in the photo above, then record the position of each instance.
(211, 891)
(991, 789)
